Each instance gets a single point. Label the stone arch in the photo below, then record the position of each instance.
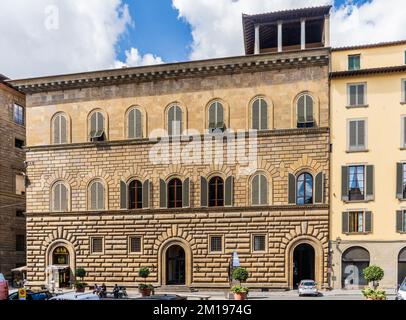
(305, 163)
(217, 169)
(59, 234)
(175, 170)
(132, 172)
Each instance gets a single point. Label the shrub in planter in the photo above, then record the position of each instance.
(240, 274)
(373, 274)
(80, 285)
(240, 292)
(144, 288)
(371, 294)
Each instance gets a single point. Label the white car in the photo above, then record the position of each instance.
(76, 296)
(401, 294)
(308, 288)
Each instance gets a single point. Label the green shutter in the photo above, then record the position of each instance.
(264, 115)
(186, 193)
(344, 222)
(138, 123)
(64, 198)
(203, 192)
(162, 194)
(57, 199)
(219, 115)
(93, 124)
(353, 134)
(131, 124)
(229, 192)
(352, 91)
(100, 196)
(93, 196)
(57, 137)
(370, 183)
(319, 184)
(344, 183)
(255, 190)
(263, 190)
(146, 194)
(361, 94)
(255, 115)
(368, 221)
(123, 195)
(309, 109)
(64, 131)
(301, 110)
(399, 221)
(291, 189)
(361, 134)
(399, 180)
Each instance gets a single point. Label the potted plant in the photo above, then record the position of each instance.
(241, 275)
(80, 285)
(373, 274)
(144, 288)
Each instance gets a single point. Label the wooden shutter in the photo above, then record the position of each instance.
(264, 114)
(64, 197)
(123, 195)
(301, 110)
(138, 123)
(131, 124)
(162, 194)
(361, 94)
(212, 116)
(361, 134)
(399, 180)
(352, 134)
(219, 114)
(344, 223)
(93, 123)
(171, 119)
(399, 221)
(57, 198)
(368, 221)
(93, 196)
(309, 109)
(255, 190)
(203, 192)
(291, 189)
(146, 194)
(229, 192)
(100, 196)
(344, 183)
(100, 122)
(370, 183)
(64, 129)
(319, 188)
(178, 120)
(352, 95)
(186, 193)
(57, 137)
(255, 115)
(263, 189)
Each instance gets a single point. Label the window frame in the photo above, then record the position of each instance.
(175, 201)
(217, 199)
(16, 115)
(20, 174)
(92, 252)
(68, 195)
(260, 100)
(306, 123)
(403, 89)
(24, 244)
(259, 174)
(357, 105)
(127, 119)
(357, 148)
(17, 145)
(103, 133)
(210, 249)
(182, 129)
(350, 56)
(304, 173)
(137, 201)
(364, 182)
(105, 195)
(216, 103)
(266, 244)
(358, 212)
(130, 246)
(58, 116)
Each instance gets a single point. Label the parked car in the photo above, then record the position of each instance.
(308, 288)
(162, 297)
(401, 293)
(3, 287)
(76, 296)
(31, 295)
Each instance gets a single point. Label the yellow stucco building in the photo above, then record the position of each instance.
(368, 162)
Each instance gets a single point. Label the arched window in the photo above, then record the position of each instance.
(97, 127)
(134, 124)
(216, 117)
(97, 196)
(135, 195)
(60, 197)
(216, 192)
(305, 118)
(259, 190)
(354, 260)
(59, 129)
(175, 193)
(175, 125)
(304, 189)
(259, 114)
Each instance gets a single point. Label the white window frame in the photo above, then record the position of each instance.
(357, 149)
(349, 105)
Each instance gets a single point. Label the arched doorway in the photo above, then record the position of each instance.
(303, 263)
(354, 260)
(402, 266)
(175, 266)
(61, 267)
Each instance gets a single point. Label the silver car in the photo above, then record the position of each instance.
(401, 294)
(308, 288)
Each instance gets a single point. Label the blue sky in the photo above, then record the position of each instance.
(158, 30)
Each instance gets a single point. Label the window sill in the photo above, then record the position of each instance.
(357, 233)
(403, 102)
(357, 151)
(357, 106)
(216, 252)
(358, 201)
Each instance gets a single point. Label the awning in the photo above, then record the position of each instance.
(20, 269)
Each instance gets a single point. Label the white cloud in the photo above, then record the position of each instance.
(217, 27)
(44, 37)
(134, 59)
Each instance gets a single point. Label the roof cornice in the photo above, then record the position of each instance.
(212, 67)
(365, 72)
